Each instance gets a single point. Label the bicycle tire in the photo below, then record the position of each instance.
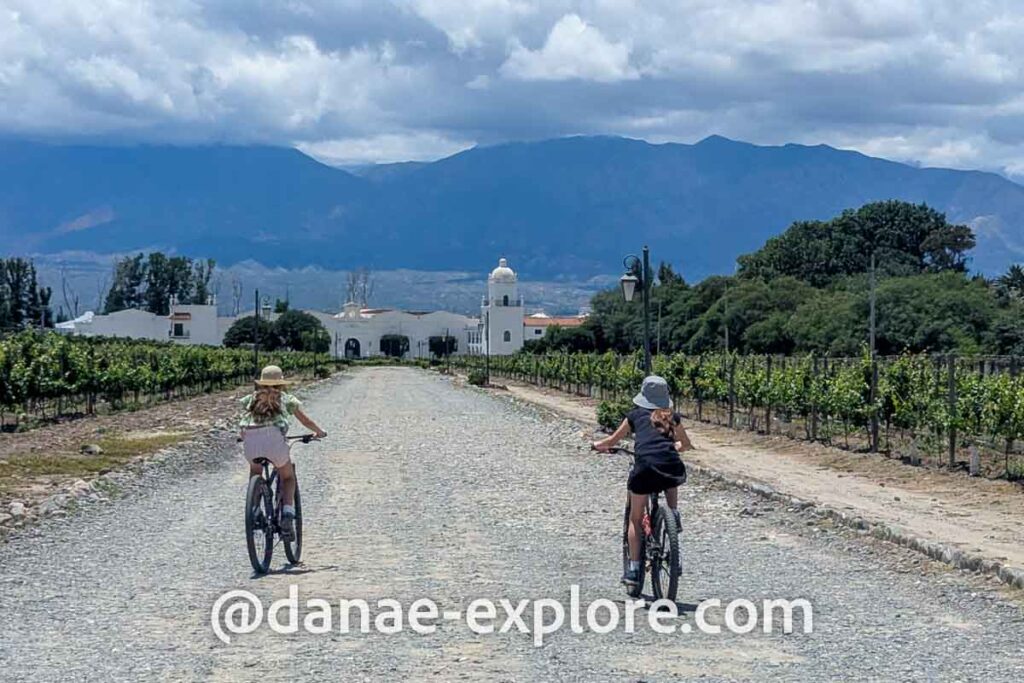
(259, 519)
(293, 548)
(639, 589)
(667, 537)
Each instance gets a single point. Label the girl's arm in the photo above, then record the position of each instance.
(606, 444)
(683, 442)
(309, 424)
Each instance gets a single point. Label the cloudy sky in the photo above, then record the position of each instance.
(939, 82)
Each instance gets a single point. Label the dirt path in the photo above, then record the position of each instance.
(429, 490)
(981, 516)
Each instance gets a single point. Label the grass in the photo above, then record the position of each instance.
(117, 450)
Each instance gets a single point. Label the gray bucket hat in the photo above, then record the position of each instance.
(653, 394)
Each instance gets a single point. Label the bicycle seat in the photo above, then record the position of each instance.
(261, 461)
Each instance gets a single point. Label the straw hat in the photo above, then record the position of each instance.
(272, 376)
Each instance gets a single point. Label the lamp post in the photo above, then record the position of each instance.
(487, 347)
(629, 283)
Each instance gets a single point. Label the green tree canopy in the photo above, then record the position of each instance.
(296, 329)
(242, 333)
(906, 239)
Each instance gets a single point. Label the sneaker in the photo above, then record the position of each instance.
(631, 578)
(287, 526)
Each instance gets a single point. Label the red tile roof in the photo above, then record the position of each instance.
(567, 321)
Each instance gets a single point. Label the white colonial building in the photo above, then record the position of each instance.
(355, 332)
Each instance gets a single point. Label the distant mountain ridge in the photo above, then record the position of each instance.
(556, 207)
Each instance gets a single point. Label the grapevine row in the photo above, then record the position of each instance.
(930, 404)
(51, 374)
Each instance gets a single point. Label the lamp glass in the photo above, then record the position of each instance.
(628, 283)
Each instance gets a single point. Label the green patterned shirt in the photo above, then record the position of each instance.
(289, 404)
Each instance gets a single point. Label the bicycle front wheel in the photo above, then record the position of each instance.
(665, 562)
(293, 548)
(259, 531)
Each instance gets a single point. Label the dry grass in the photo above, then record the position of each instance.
(118, 449)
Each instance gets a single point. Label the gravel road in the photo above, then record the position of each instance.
(426, 490)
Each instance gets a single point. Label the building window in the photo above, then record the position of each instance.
(179, 330)
(504, 300)
(508, 335)
(538, 331)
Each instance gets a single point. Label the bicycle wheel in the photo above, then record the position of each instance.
(293, 548)
(633, 592)
(665, 563)
(259, 532)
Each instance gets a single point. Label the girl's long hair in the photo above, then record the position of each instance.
(663, 421)
(265, 404)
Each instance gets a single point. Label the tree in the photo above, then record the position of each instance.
(359, 287)
(394, 345)
(242, 334)
(202, 273)
(558, 338)
(906, 239)
(442, 346)
(1011, 283)
(23, 302)
(126, 288)
(296, 329)
(280, 306)
(668, 276)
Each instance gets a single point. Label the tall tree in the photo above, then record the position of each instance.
(126, 287)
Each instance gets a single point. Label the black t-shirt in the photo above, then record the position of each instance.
(649, 443)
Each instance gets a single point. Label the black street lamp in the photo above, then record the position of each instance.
(629, 282)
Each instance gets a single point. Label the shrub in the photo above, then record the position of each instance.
(477, 378)
(610, 414)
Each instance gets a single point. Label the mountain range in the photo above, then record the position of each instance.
(568, 207)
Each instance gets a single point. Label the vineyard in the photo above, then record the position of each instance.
(942, 409)
(46, 376)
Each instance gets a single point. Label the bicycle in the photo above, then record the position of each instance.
(263, 505)
(659, 545)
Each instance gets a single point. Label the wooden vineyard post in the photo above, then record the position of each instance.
(874, 406)
(768, 399)
(952, 400)
(814, 399)
(732, 393)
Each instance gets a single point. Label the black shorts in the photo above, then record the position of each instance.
(647, 478)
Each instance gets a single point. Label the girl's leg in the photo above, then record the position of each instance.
(672, 497)
(255, 469)
(287, 474)
(637, 507)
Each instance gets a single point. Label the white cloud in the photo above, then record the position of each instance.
(937, 81)
(573, 50)
(385, 148)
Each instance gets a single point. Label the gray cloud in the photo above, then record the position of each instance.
(935, 81)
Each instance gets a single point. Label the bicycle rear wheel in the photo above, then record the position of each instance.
(633, 592)
(665, 562)
(293, 548)
(259, 531)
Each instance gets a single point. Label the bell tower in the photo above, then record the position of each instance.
(502, 312)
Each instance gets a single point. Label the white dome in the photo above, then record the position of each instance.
(503, 273)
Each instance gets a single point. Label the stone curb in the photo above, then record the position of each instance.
(939, 552)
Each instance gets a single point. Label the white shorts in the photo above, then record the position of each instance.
(266, 442)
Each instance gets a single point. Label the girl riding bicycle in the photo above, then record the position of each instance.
(659, 438)
(264, 426)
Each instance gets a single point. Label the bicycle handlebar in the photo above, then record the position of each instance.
(617, 450)
(306, 438)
